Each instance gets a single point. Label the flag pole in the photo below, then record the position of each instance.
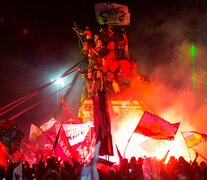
(200, 155)
(189, 154)
(186, 145)
(56, 139)
(127, 144)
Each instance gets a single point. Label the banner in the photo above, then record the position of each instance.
(112, 14)
(48, 124)
(193, 138)
(155, 127)
(75, 133)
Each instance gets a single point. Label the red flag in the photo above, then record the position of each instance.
(3, 156)
(104, 165)
(155, 127)
(193, 138)
(65, 145)
(62, 145)
(51, 137)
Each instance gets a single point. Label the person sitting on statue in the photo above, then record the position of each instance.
(98, 46)
(110, 57)
(126, 47)
(98, 79)
(106, 34)
(94, 59)
(122, 50)
(87, 39)
(98, 43)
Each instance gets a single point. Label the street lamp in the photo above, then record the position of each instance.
(59, 82)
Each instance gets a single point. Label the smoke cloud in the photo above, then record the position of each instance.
(165, 57)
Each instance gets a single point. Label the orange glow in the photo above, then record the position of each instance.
(169, 105)
(124, 129)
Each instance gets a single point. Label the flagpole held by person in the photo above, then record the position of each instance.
(56, 139)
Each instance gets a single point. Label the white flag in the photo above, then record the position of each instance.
(48, 124)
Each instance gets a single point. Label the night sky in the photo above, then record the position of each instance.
(38, 44)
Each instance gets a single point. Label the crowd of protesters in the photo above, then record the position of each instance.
(110, 46)
(133, 169)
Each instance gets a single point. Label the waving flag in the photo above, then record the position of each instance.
(12, 139)
(75, 133)
(155, 127)
(193, 138)
(10, 135)
(35, 132)
(3, 156)
(61, 145)
(65, 147)
(152, 145)
(48, 124)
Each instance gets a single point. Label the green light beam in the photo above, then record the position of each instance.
(193, 51)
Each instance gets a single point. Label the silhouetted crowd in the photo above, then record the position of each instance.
(133, 169)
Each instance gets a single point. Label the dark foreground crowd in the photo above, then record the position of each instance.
(134, 169)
